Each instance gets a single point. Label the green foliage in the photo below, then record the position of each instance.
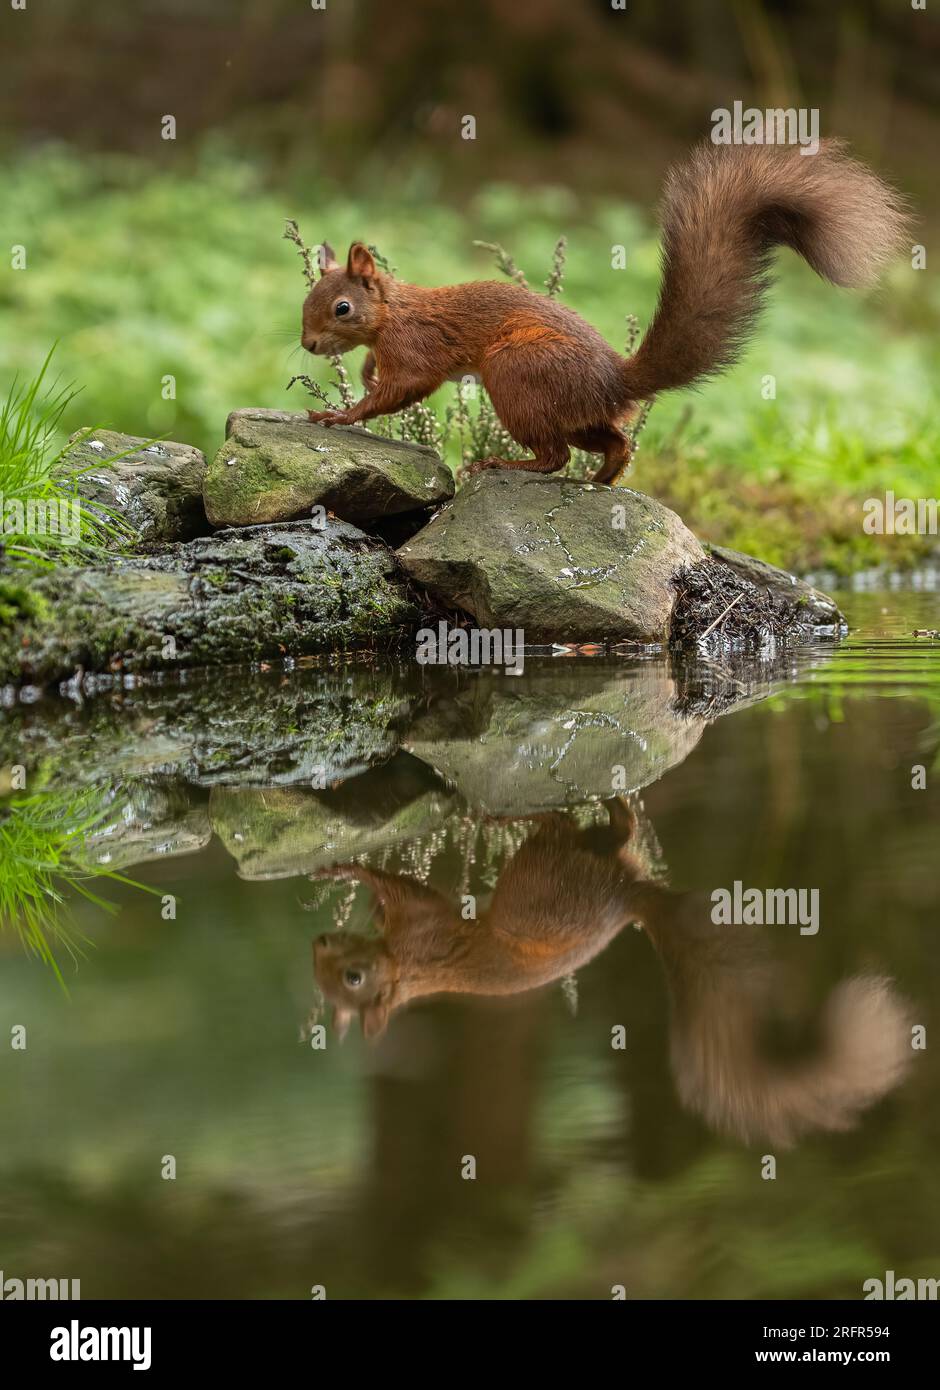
(31, 448)
(42, 843)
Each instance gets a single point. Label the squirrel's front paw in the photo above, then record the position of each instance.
(482, 465)
(327, 417)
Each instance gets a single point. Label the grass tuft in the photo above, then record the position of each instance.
(33, 481)
(43, 840)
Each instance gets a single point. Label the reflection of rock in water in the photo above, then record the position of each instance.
(254, 730)
(559, 734)
(555, 738)
(280, 832)
(148, 819)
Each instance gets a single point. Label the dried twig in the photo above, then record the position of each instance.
(342, 383)
(505, 262)
(556, 275)
(381, 261)
(292, 233)
(638, 426)
(713, 625)
(313, 387)
(633, 333)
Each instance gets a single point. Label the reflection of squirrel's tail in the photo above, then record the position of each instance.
(724, 211)
(864, 1050)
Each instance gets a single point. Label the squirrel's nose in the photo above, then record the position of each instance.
(309, 344)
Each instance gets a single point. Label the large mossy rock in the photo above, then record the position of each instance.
(155, 486)
(275, 466)
(563, 561)
(242, 595)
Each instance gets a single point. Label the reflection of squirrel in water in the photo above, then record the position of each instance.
(553, 380)
(727, 991)
(559, 901)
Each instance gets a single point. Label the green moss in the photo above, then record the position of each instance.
(19, 601)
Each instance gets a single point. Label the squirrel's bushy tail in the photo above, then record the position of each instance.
(723, 1075)
(724, 211)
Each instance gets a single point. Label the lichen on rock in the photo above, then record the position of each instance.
(241, 595)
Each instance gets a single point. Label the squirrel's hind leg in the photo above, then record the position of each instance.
(521, 383)
(549, 458)
(606, 440)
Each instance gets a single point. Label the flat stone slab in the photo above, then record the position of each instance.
(241, 595)
(275, 466)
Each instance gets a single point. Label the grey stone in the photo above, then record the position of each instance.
(155, 486)
(563, 561)
(276, 465)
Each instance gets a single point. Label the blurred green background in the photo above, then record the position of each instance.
(148, 258)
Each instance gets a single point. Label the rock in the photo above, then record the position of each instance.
(563, 561)
(155, 485)
(554, 737)
(239, 596)
(275, 466)
(265, 729)
(287, 831)
(149, 819)
(818, 608)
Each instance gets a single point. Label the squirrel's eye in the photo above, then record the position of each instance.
(353, 978)
(343, 307)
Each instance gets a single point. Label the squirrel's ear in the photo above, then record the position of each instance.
(374, 1017)
(342, 1018)
(360, 261)
(326, 258)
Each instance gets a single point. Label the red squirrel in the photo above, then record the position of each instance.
(553, 380)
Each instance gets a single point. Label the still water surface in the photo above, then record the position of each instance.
(618, 1092)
